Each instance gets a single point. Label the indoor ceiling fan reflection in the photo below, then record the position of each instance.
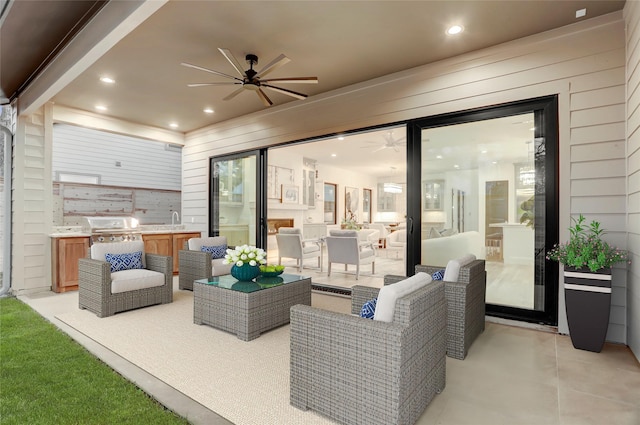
(254, 80)
(389, 143)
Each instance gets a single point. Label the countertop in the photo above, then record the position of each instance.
(76, 231)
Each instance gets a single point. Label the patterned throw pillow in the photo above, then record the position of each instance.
(368, 309)
(127, 261)
(439, 275)
(217, 251)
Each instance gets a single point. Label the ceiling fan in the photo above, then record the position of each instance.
(389, 142)
(253, 80)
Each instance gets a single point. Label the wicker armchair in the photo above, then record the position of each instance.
(362, 371)
(96, 286)
(465, 305)
(196, 264)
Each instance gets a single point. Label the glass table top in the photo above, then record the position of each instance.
(257, 284)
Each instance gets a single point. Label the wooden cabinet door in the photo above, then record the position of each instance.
(179, 239)
(67, 253)
(161, 244)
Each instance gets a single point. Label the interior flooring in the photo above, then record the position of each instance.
(511, 375)
(507, 284)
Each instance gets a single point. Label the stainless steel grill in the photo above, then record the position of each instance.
(111, 229)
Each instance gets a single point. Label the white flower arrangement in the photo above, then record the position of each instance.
(245, 254)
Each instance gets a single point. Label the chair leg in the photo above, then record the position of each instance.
(357, 271)
(329, 269)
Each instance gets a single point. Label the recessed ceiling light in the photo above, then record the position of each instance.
(101, 107)
(494, 162)
(456, 166)
(340, 137)
(439, 156)
(455, 29)
(208, 111)
(333, 155)
(173, 125)
(107, 80)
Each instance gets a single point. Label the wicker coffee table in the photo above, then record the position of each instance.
(248, 308)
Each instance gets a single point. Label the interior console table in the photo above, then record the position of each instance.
(248, 308)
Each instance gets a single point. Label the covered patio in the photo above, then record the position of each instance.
(511, 375)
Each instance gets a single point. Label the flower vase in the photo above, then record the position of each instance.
(587, 301)
(245, 272)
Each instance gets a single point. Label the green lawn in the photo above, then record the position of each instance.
(47, 378)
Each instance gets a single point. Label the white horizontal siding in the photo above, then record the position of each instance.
(31, 199)
(599, 187)
(144, 163)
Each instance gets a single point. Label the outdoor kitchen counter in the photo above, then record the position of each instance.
(77, 232)
(68, 245)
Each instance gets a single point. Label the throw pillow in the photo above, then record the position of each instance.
(368, 309)
(126, 261)
(389, 294)
(433, 233)
(217, 251)
(438, 275)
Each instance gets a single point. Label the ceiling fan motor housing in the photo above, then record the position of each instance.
(251, 82)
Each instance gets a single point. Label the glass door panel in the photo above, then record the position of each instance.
(484, 191)
(233, 189)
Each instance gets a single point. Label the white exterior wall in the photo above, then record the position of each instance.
(632, 19)
(583, 63)
(32, 202)
(143, 163)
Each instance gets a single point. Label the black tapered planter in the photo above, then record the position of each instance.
(588, 302)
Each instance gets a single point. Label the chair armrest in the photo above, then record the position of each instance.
(430, 270)
(365, 244)
(95, 275)
(392, 278)
(360, 295)
(193, 265)
(160, 263)
(313, 241)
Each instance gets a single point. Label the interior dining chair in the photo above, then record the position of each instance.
(344, 246)
(291, 245)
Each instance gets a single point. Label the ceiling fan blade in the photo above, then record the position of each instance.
(265, 99)
(379, 149)
(232, 59)
(298, 80)
(212, 84)
(274, 64)
(234, 94)
(210, 70)
(285, 91)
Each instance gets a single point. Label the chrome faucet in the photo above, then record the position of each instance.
(176, 216)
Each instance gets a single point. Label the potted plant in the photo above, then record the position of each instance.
(246, 261)
(587, 261)
(350, 221)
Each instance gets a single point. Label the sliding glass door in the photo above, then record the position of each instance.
(236, 209)
(487, 186)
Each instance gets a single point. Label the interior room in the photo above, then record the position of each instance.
(428, 167)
